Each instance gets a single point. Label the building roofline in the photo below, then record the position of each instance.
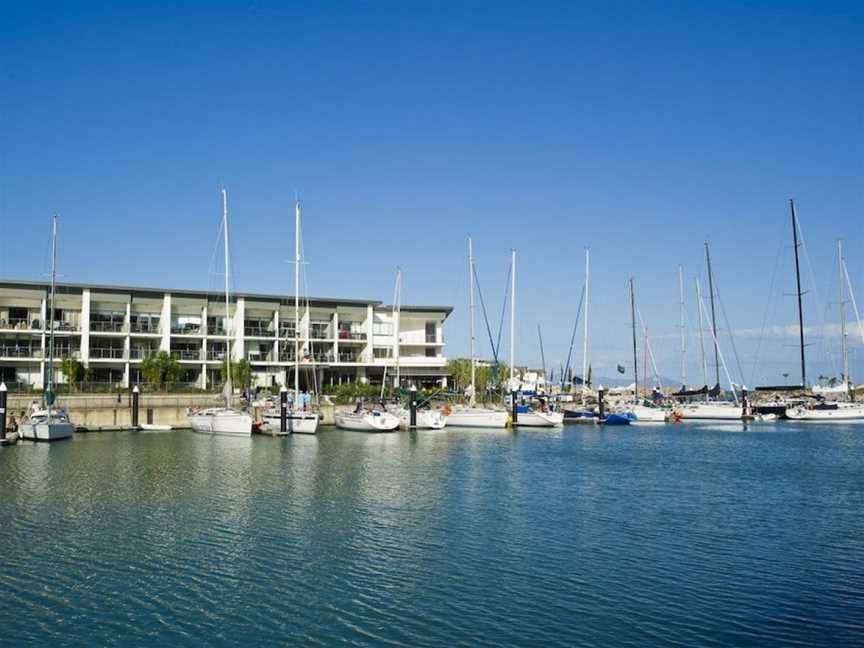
(313, 301)
(417, 309)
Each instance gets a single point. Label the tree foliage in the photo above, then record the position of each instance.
(161, 370)
(241, 373)
(72, 370)
(486, 380)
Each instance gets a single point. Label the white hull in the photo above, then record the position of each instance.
(153, 427)
(426, 419)
(367, 421)
(711, 412)
(844, 412)
(647, 414)
(539, 419)
(295, 422)
(477, 417)
(53, 431)
(222, 422)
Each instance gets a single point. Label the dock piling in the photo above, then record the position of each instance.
(412, 424)
(283, 410)
(135, 403)
(601, 405)
(2, 410)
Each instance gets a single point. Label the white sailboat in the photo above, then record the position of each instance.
(471, 415)
(373, 419)
(640, 412)
(45, 422)
(834, 410)
(224, 421)
(298, 420)
(524, 417)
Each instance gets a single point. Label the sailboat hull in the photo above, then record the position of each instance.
(221, 423)
(711, 412)
(477, 417)
(844, 412)
(53, 431)
(367, 421)
(539, 419)
(295, 422)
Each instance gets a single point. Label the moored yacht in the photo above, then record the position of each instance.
(373, 420)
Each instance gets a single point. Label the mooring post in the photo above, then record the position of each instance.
(283, 410)
(515, 412)
(2, 410)
(745, 406)
(601, 406)
(135, 403)
(412, 424)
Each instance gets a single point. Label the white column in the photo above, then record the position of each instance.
(368, 355)
(165, 324)
(85, 327)
(127, 344)
(43, 310)
(336, 335)
(238, 330)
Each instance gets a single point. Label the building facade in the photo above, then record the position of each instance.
(112, 329)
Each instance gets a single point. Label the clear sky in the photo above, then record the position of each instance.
(638, 129)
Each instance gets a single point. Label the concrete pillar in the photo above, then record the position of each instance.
(85, 327)
(237, 330)
(336, 336)
(370, 328)
(165, 324)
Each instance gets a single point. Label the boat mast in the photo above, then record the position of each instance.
(512, 318)
(398, 312)
(296, 299)
(843, 344)
(683, 329)
(585, 325)
(795, 245)
(472, 398)
(542, 354)
(713, 314)
(702, 334)
(49, 393)
(633, 321)
(229, 396)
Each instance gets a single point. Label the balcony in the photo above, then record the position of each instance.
(216, 329)
(349, 357)
(351, 335)
(287, 332)
(186, 328)
(187, 354)
(20, 352)
(141, 353)
(106, 326)
(216, 355)
(21, 324)
(431, 338)
(320, 333)
(322, 357)
(150, 327)
(107, 353)
(252, 329)
(286, 357)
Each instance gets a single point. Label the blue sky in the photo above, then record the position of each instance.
(638, 129)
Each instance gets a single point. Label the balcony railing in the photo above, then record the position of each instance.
(351, 335)
(286, 357)
(349, 357)
(322, 357)
(140, 354)
(65, 352)
(21, 324)
(215, 330)
(257, 331)
(144, 327)
(186, 329)
(215, 355)
(104, 353)
(431, 338)
(20, 352)
(99, 326)
(285, 332)
(187, 354)
(320, 334)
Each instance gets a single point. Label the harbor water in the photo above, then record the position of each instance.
(679, 535)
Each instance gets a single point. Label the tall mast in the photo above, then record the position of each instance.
(230, 395)
(585, 325)
(296, 299)
(49, 393)
(795, 245)
(633, 321)
(843, 344)
(542, 354)
(512, 317)
(683, 329)
(701, 332)
(713, 314)
(398, 312)
(471, 317)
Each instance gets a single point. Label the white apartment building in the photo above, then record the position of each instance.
(111, 329)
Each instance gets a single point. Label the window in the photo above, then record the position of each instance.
(382, 328)
(431, 333)
(382, 352)
(430, 353)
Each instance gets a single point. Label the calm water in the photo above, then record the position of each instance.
(675, 536)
